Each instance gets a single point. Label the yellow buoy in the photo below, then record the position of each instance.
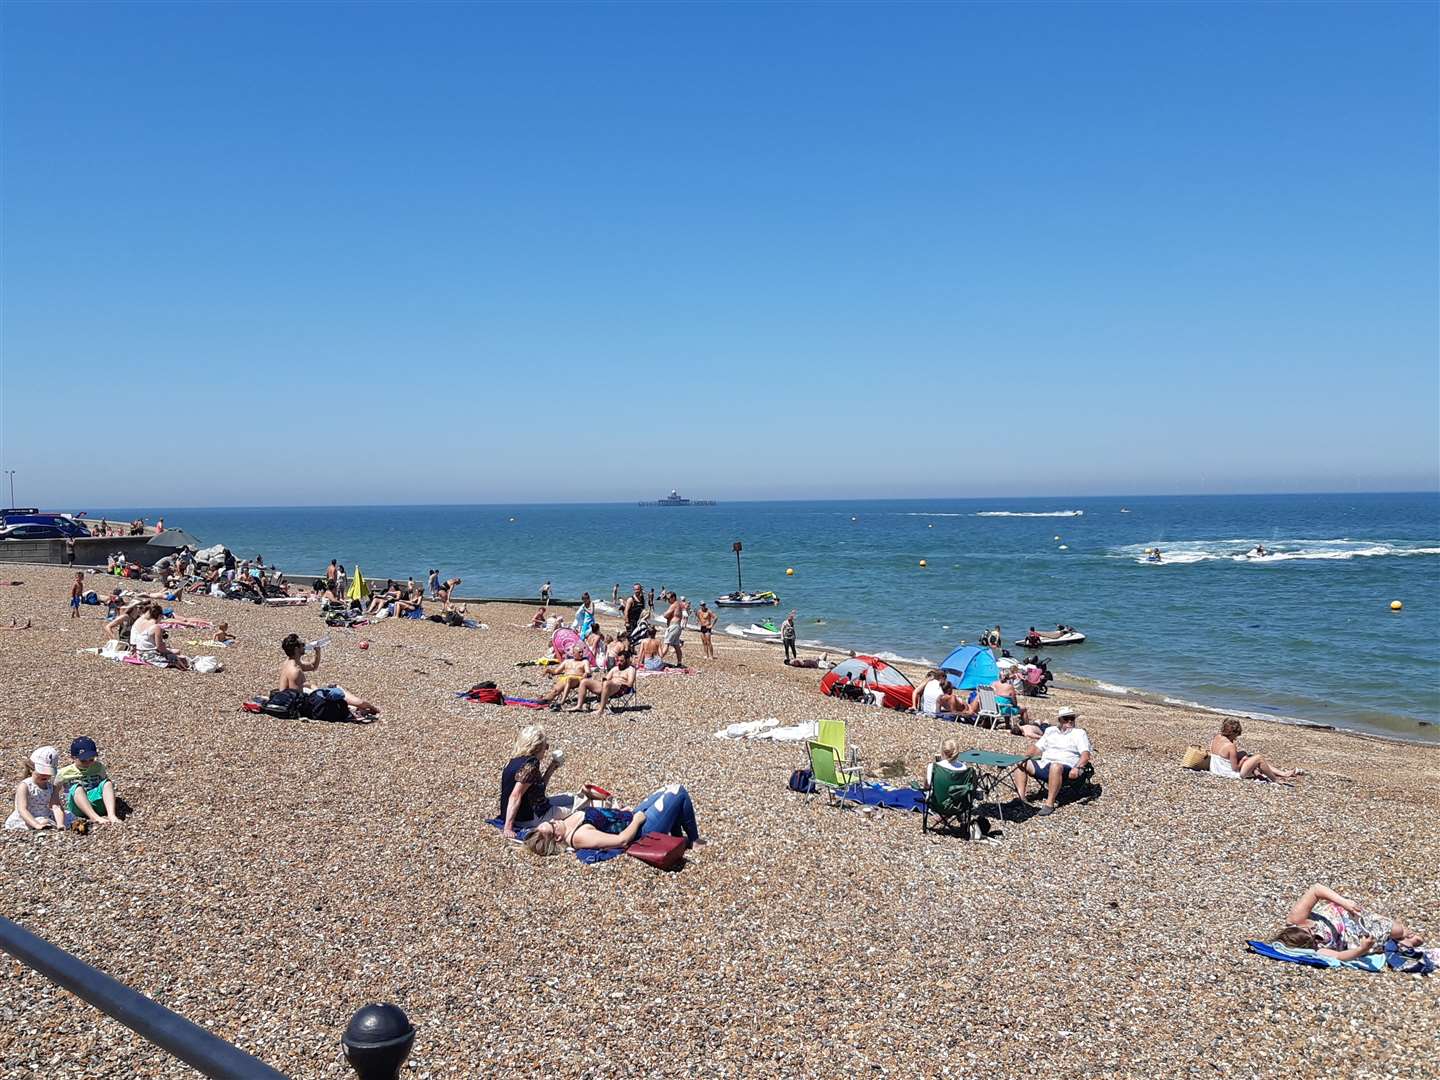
(922, 562)
(790, 571)
(1396, 605)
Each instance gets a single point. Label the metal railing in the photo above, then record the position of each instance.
(377, 1040)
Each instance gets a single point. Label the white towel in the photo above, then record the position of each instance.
(747, 729)
(1221, 767)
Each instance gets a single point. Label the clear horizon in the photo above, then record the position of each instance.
(631, 502)
(446, 254)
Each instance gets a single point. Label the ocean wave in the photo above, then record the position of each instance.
(922, 513)
(1184, 552)
(1029, 513)
(896, 658)
(1113, 688)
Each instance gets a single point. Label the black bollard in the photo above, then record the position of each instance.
(377, 1041)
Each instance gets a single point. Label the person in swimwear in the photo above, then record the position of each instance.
(706, 618)
(618, 683)
(648, 656)
(569, 675)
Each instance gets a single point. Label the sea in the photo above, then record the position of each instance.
(1304, 634)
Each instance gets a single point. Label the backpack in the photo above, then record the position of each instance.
(659, 850)
(803, 781)
(282, 703)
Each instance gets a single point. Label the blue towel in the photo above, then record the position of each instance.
(585, 855)
(883, 795)
(418, 613)
(1311, 958)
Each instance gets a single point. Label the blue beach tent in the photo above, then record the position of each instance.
(969, 667)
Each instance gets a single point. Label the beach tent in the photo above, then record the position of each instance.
(970, 666)
(358, 590)
(876, 674)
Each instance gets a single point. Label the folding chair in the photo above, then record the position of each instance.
(829, 774)
(989, 710)
(951, 799)
(832, 734)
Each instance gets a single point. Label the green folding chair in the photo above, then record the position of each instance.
(952, 799)
(829, 775)
(832, 734)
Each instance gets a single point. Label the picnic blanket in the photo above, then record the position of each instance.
(1311, 958)
(585, 855)
(893, 798)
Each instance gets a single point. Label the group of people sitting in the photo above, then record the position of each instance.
(600, 667)
(138, 625)
(936, 696)
(588, 820)
(1057, 756)
(51, 797)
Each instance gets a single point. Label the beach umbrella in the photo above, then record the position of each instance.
(174, 538)
(970, 666)
(358, 590)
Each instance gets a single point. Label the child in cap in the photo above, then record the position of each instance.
(37, 799)
(87, 785)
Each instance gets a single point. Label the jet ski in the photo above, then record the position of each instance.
(766, 631)
(747, 599)
(1069, 636)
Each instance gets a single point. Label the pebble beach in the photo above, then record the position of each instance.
(276, 874)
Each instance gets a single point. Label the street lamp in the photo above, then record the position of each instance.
(11, 474)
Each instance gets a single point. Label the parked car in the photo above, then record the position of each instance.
(63, 525)
(32, 532)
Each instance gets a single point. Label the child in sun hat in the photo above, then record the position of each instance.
(37, 798)
(87, 784)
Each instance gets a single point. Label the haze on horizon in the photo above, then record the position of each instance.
(265, 255)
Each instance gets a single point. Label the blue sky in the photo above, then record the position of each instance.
(264, 254)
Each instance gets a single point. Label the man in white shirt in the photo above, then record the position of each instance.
(1064, 752)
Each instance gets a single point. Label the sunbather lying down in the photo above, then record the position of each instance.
(1336, 926)
(668, 810)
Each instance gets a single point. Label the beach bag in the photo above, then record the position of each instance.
(1196, 757)
(206, 665)
(803, 781)
(283, 703)
(659, 850)
(486, 694)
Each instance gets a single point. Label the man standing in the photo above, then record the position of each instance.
(69, 551)
(675, 629)
(545, 594)
(1063, 750)
(707, 627)
(332, 580)
(634, 609)
(787, 637)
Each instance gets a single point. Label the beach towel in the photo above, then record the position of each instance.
(585, 855)
(525, 703)
(1311, 958)
(796, 733)
(746, 729)
(893, 798)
